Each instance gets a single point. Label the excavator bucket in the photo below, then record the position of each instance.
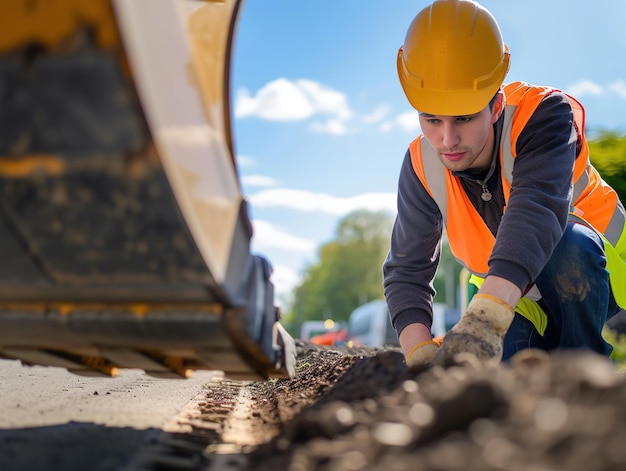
(124, 235)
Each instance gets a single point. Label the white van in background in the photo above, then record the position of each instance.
(370, 325)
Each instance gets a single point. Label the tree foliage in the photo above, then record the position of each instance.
(349, 270)
(607, 153)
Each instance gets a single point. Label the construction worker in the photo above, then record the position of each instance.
(505, 169)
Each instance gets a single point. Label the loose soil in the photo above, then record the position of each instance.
(363, 409)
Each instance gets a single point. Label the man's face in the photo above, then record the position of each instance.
(462, 142)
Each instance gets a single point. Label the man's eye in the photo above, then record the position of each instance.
(463, 119)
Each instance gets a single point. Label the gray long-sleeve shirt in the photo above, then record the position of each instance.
(526, 234)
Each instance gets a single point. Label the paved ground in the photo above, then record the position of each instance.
(53, 420)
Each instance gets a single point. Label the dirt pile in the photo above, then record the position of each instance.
(349, 410)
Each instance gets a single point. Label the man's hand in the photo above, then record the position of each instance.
(480, 331)
(421, 355)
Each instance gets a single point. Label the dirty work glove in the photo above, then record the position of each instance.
(480, 331)
(421, 354)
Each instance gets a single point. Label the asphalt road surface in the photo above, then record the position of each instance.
(52, 420)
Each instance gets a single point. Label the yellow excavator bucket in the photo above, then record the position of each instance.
(124, 235)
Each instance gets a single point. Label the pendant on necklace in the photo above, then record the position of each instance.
(486, 195)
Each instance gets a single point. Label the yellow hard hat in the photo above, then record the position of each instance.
(453, 60)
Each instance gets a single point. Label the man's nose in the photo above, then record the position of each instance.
(450, 135)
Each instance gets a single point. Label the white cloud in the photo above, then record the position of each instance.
(409, 121)
(327, 109)
(619, 87)
(584, 87)
(377, 115)
(385, 126)
(267, 235)
(284, 279)
(284, 100)
(268, 238)
(332, 126)
(321, 202)
(258, 180)
(279, 100)
(326, 100)
(245, 161)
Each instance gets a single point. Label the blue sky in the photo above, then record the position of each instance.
(321, 124)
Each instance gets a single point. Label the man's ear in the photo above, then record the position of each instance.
(498, 106)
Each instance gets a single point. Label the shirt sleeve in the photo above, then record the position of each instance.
(413, 258)
(536, 214)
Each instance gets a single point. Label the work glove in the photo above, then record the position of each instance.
(421, 355)
(480, 331)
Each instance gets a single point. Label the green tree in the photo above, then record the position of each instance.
(348, 272)
(608, 155)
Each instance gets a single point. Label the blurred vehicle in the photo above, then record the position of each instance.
(310, 329)
(370, 325)
(327, 332)
(336, 336)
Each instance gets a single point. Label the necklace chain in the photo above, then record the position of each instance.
(486, 194)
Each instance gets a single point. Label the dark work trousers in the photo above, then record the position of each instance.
(575, 295)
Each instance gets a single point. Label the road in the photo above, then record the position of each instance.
(53, 420)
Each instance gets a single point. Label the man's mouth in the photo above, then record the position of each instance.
(453, 156)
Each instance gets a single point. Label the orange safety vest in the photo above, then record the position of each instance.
(471, 241)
